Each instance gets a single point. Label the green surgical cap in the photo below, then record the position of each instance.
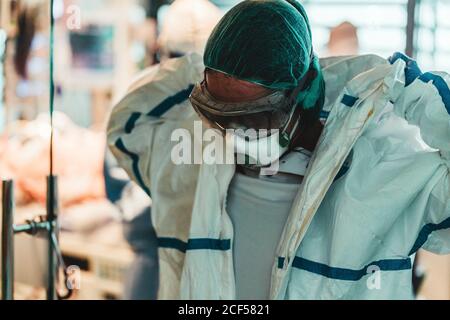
(267, 42)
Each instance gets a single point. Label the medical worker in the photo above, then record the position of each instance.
(363, 154)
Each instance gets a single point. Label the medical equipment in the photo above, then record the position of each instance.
(47, 225)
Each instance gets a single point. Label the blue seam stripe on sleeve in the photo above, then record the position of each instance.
(168, 103)
(348, 274)
(131, 123)
(135, 159)
(425, 233)
(441, 87)
(194, 244)
(412, 72)
(160, 109)
(349, 101)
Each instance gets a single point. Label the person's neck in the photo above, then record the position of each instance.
(309, 137)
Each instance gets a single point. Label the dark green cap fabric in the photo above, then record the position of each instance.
(267, 42)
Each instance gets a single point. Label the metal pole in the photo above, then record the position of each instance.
(52, 209)
(410, 32)
(8, 240)
(31, 227)
(52, 197)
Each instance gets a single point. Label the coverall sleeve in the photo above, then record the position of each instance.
(423, 99)
(135, 120)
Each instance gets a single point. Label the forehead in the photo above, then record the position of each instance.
(230, 89)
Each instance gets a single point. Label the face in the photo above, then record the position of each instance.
(228, 90)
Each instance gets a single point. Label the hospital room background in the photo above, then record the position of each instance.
(99, 48)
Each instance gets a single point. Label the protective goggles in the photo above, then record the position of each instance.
(270, 112)
(276, 111)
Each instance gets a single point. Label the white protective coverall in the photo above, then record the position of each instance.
(354, 229)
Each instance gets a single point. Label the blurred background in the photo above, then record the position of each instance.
(101, 47)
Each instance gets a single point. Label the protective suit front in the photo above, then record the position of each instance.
(377, 188)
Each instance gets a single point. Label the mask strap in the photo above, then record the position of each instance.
(291, 126)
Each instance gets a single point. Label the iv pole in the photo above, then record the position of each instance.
(51, 180)
(7, 240)
(47, 224)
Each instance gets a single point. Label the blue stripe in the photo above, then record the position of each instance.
(158, 111)
(349, 101)
(281, 263)
(425, 233)
(135, 158)
(195, 244)
(413, 72)
(349, 274)
(441, 87)
(167, 104)
(131, 123)
(324, 114)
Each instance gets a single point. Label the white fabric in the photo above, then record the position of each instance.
(261, 152)
(259, 207)
(258, 210)
(295, 162)
(395, 191)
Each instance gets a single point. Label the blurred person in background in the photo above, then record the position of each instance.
(343, 40)
(31, 59)
(156, 22)
(186, 28)
(152, 7)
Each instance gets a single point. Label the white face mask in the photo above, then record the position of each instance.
(258, 152)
